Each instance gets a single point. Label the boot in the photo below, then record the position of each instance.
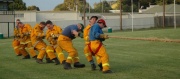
(63, 62)
(19, 55)
(48, 60)
(35, 57)
(56, 61)
(100, 66)
(107, 71)
(79, 65)
(26, 57)
(39, 61)
(67, 66)
(93, 67)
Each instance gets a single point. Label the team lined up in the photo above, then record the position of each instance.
(31, 39)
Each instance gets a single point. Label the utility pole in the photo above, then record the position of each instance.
(163, 13)
(84, 17)
(132, 16)
(89, 7)
(174, 14)
(102, 8)
(120, 15)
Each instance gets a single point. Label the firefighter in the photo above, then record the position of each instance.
(96, 37)
(16, 41)
(65, 42)
(52, 35)
(87, 53)
(25, 41)
(37, 36)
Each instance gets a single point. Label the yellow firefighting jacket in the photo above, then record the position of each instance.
(37, 35)
(52, 35)
(86, 33)
(24, 34)
(16, 34)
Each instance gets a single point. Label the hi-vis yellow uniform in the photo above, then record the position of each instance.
(25, 41)
(16, 42)
(96, 47)
(37, 41)
(52, 36)
(86, 38)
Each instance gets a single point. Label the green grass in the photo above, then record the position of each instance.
(129, 59)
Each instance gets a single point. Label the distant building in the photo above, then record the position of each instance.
(159, 9)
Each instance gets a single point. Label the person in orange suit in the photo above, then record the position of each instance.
(25, 41)
(52, 35)
(65, 42)
(16, 41)
(87, 53)
(96, 37)
(37, 36)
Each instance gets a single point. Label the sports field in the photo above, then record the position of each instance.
(129, 59)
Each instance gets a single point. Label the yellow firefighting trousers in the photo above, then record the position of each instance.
(50, 50)
(41, 48)
(29, 47)
(101, 55)
(15, 45)
(66, 44)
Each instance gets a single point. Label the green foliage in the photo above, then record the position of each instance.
(33, 7)
(106, 7)
(60, 7)
(145, 3)
(70, 5)
(18, 5)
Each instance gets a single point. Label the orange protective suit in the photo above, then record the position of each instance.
(16, 42)
(101, 54)
(25, 41)
(52, 36)
(86, 39)
(66, 44)
(37, 36)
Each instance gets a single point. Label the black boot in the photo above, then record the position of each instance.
(26, 57)
(67, 66)
(100, 67)
(107, 71)
(19, 55)
(48, 60)
(35, 57)
(93, 67)
(63, 62)
(39, 61)
(79, 65)
(56, 61)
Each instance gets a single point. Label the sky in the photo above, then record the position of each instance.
(48, 5)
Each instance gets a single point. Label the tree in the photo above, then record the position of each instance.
(18, 5)
(60, 7)
(70, 5)
(106, 7)
(33, 7)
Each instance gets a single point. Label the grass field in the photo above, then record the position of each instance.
(129, 59)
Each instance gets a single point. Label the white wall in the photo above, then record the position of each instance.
(29, 16)
(57, 16)
(64, 19)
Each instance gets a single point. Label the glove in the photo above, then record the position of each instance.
(54, 36)
(21, 35)
(104, 36)
(80, 35)
(26, 34)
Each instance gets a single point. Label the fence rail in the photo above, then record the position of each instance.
(138, 23)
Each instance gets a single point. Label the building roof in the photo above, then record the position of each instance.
(159, 8)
